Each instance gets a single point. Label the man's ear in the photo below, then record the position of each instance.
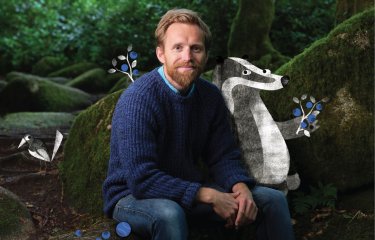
(160, 54)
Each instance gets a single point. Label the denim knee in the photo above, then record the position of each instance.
(170, 222)
(169, 212)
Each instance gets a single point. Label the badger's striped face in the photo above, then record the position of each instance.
(239, 69)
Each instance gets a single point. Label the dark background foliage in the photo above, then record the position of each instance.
(98, 30)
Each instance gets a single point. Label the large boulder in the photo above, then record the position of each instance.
(47, 65)
(123, 83)
(341, 67)
(15, 220)
(84, 168)
(41, 124)
(26, 92)
(74, 70)
(92, 81)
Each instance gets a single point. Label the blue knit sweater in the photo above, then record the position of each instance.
(158, 137)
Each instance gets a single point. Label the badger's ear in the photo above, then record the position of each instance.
(245, 57)
(219, 60)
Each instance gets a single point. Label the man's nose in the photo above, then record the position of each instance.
(186, 54)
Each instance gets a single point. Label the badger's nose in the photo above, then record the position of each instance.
(284, 80)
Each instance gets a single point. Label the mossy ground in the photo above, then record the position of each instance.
(339, 66)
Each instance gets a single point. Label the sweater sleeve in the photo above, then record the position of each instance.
(223, 155)
(135, 132)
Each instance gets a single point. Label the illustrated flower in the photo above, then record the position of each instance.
(308, 119)
(127, 67)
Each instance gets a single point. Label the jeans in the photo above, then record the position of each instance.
(163, 219)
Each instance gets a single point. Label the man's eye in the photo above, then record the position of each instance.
(178, 48)
(197, 49)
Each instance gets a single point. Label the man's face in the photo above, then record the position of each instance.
(183, 54)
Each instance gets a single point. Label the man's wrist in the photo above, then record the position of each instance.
(205, 195)
(240, 187)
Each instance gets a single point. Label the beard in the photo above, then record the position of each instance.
(184, 79)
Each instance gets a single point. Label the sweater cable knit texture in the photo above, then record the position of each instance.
(158, 137)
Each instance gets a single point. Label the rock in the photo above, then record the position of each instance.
(15, 220)
(362, 199)
(92, 81)
(2, 84)
(84, 168)
(42, 124)
(48, 65)
(123, 83)
(339, 66)
(74, 70)
(26, 92)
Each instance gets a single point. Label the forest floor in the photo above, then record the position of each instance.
(43, 195)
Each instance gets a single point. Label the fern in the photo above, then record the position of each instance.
(320, 196)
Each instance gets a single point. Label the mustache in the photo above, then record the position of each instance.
(187, 64)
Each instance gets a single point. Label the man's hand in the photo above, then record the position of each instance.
(247, 209)
(224, 204)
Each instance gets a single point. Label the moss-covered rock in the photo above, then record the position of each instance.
(40, 124)
(48, 65)
(339, 66)
(74, 70)
(84, 168)
(15, 220)
(2, 84)
(123, 83)
(26, 92)
(93, 81)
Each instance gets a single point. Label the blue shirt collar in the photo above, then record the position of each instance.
(175, 90)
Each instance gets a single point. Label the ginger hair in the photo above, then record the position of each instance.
(181, 16)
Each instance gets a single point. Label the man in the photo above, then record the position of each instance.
(163, 125)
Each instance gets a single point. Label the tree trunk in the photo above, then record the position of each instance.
(347, 8)
(250, 33)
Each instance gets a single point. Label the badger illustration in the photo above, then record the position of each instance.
(262, 140)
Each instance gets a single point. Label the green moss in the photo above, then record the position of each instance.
(74, 70)
(339, 66)
(123, 83)
(84, 167)
(47, 65)
(11, 214)
(249, 34)
(34, 120)
(26, 92)
(2, 84)
(93, 80)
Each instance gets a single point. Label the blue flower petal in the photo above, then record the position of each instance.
(123, 229)
(319, 106)
(106, 235)
(309, 104)
(297, 112)
(133, 55)
(124, 67)
(78, 233)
